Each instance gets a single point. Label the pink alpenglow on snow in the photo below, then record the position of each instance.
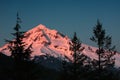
(46, 41)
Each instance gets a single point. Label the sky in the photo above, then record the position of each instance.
(66, 16)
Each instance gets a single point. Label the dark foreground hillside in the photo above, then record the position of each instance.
(37, 71)
(33, 71)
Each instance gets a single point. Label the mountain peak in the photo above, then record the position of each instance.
(41, 26)
(38, 28)
(51, 42)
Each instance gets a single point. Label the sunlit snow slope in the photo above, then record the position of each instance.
(51, 42)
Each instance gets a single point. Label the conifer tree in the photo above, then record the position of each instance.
(105, 50)
(20, 53)
(78, 57)
(17, 46)
(77, 67)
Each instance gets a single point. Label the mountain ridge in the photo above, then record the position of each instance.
(51, 42)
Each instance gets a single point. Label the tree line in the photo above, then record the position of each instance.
(83, 68)
(80, 67)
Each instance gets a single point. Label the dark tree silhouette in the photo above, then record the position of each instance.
(17, 46)
(77, 67)
(105, 52)
(99, 36)
(23, 66)
(78, 57)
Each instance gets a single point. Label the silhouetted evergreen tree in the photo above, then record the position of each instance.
(17, 46)
(78, 63)
(105, 51)
(78, 66)
(23, 66)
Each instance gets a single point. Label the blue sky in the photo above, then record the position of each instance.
(66, 16)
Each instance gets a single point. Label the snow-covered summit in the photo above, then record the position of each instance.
(50, 42)
(44, 41)
(37, 28)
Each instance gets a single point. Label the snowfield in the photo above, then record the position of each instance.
(45, 41)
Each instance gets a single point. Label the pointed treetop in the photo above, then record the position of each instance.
(18, 18)
(75, 39)
(17, 27)
(98, 23)
(75, 36)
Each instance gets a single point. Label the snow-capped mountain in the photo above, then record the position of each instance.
(50, 42)
(44, 41)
